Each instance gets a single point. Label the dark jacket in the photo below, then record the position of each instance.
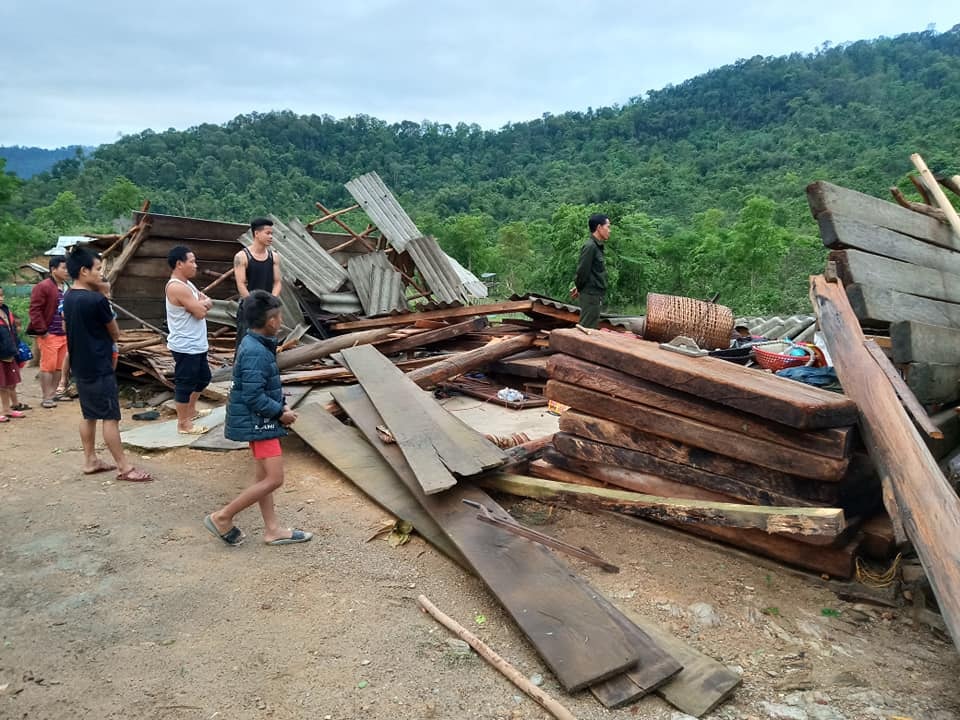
(44, 299)
(256, 398)
(592, 269)
(8, 334)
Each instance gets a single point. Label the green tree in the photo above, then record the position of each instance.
(120, 199)
(63, 216)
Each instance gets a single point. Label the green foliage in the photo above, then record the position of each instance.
(704, 181)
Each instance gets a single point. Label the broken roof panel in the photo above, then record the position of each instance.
(435, 267)
(382, 207)
(378, 283)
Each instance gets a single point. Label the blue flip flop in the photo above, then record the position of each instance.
(234, 536)
(297, 536)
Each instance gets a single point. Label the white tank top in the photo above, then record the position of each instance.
(188, 335)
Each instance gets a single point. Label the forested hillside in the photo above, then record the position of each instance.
(25, 162)
(704, 181)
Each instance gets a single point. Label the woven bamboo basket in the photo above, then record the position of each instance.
(668, 316)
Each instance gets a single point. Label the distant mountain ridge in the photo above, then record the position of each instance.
(25, 162)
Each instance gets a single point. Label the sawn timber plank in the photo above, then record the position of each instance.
(778, 399)
(572, 633)
(832, 442)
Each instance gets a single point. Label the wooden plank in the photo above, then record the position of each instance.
(429, 337)
(145, 267)
(784, 491)
(921, 342)
(808, 521)
(854, 266)
(129, 250)
(347, 450)
(929, 507)
(453, 365)
(569, 629)
(512, 306)
(831, 442)
(839, 232)
(703, 683)
(433, 441)
(214, 250)
(933, 382)
(534, 368)
(878, 306)
(775, 398)
(826, 197)
(556, 466)
(332, 374)
(906, 396)
(723, 445)
(186, 228)
(948, 422)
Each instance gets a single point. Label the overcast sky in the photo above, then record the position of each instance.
(89, 72)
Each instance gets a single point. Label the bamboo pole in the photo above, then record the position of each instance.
(937, 193)
(229, 273)
(487, 653)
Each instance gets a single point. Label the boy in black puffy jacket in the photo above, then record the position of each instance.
(257, 414)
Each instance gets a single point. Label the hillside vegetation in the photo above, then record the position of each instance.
(704, 181)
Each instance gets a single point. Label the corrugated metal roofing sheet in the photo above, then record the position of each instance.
(378, 283)
(382, 207)
(432, 262)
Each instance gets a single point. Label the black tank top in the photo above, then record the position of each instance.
(259, 272)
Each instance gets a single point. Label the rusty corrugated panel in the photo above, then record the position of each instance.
(378, 283)
(382, 207)
(306, 260)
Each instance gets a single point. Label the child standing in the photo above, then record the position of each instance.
(9, 367)
(257, 414)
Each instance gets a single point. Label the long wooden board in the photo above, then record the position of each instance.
(921, 342)
(434, 442)
(346, 449)
(729, 452)
(854, 266)
(563, 621)
(878, 306)
(784, 401)
(840, 232)
(929, 507)
(513, 306)
(429, 337)
(825, 523)
(832, 442)
(826, 197)
(786, 491)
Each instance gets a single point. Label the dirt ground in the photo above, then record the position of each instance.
(115, 602)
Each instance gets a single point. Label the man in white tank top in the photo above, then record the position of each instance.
(187, 310)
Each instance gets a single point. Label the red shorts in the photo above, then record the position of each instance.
(266, 448)
(53, 349)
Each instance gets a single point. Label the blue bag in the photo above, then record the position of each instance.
(24, 354)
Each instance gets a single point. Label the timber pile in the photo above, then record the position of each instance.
(900, 268)
(712, 433)
(424, 475)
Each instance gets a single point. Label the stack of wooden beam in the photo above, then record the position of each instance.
(702, 429)
(423, 475)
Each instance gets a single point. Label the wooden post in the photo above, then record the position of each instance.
(467, 361)
(346, 227)
(937, 193)
(907, 397)
(929, 508)
(505, 668)
(129, 251)
(228, 274)
(329, 216)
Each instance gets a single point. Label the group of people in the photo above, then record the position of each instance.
(76, 328)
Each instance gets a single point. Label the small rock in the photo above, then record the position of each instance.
(845, 678)
(704, 614)
(457, 646)
(776, 711)
(364, 662)
(537, 679)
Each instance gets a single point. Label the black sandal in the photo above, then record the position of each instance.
(21, 407)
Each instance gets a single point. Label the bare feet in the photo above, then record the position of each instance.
(98, 466)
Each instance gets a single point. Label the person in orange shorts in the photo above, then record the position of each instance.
(46, 323)
(256, 413)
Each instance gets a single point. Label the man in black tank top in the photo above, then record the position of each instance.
(256, 268)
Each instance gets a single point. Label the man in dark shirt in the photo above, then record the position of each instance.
(590, 284)
(256, 268)
(91, 332)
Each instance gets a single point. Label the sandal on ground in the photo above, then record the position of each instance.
(16, 414)
(202, 414)
(234, 536)
(297, 536)
(135, 475)
(195, 430)
(62, 396)
(4, 418)
(48, 404)
(21, 406)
